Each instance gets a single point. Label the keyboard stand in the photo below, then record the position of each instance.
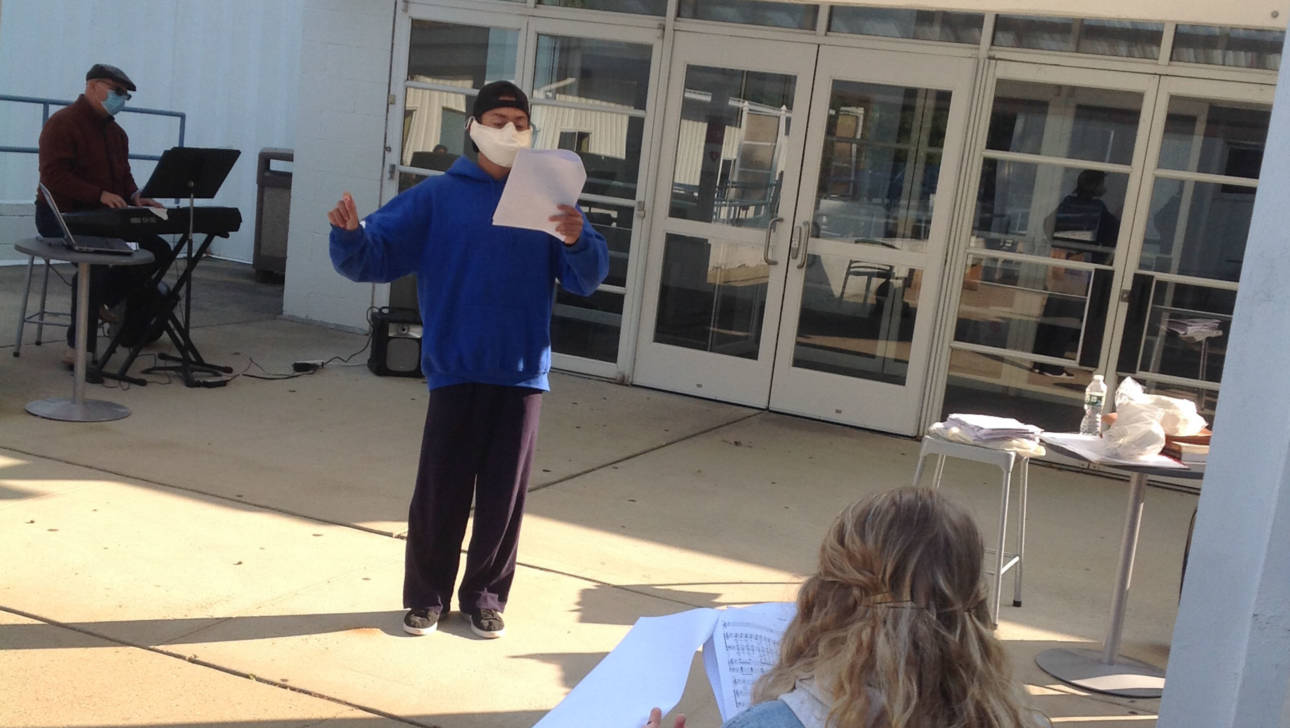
(182, 172)
(189, 364)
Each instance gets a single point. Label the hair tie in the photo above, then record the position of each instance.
(910, 604)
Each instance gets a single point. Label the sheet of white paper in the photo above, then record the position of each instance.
(1094, 449)
(160, 212)
(540, 181)
(987, 422)
(744, 645)
(647, 669)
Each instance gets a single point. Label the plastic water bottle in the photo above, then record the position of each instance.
(1094, 396)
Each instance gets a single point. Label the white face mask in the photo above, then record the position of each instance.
(500, 145)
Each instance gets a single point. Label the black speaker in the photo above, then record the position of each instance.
(396, 343)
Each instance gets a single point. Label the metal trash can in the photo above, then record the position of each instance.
(272, 214)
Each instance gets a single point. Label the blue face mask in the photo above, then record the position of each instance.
(113, 103)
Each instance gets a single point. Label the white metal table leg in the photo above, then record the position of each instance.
(997, 594)
(1021, 535)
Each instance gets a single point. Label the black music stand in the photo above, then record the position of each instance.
(190, 172)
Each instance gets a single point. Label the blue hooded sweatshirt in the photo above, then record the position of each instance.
(485, 292)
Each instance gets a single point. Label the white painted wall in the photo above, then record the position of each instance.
(340, 142)
(231, 65)
(1285, 711)
(1229, 661)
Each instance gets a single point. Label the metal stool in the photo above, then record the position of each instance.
(42, 317)
(1004, 460)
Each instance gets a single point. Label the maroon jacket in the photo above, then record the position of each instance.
(83, 153)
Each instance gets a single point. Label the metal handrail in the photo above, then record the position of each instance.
(46, 103)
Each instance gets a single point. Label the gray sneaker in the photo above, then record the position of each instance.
(421, 621)
(486, 623)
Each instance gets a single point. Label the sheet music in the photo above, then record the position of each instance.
(648, 668)
(744, 645)
(160, 212)
(652, 663)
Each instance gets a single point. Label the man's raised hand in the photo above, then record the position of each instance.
(344, 215)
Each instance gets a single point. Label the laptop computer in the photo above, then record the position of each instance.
(85, 243)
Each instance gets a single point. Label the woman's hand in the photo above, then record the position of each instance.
(656, 719)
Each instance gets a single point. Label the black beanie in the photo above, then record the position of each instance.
(491, 97)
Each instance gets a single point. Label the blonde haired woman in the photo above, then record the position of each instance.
(892, 631)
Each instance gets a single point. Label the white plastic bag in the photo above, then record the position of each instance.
(1135, 440)
(1176, 416)
(1142, 420)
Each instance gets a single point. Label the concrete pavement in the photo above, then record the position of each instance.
(232, 557)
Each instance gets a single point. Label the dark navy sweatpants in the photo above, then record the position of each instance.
(478, 443)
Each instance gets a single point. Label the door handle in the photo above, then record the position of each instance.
(770, 229)
(805, 227)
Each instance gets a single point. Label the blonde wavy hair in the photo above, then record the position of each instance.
(897, 609)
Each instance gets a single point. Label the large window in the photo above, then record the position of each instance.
(641, 7)
(1240, 47)
(1046, 235)
(1198, 218)
(1097, 37)
(446, 63)
(934, 25)
(1067, 205)
(752, 12)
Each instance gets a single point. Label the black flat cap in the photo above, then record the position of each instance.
(110, 73)
(498, 94)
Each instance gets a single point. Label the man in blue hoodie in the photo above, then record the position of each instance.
(485, 294)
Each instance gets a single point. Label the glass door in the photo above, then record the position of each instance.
(441, 56)
(1197, 200)
(809, 203)
(591, 95)
(441, 59)
(1049, 240)
(590, 91)
(724, 208)
(1110, 224)
(883, 141)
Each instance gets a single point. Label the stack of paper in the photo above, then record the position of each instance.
(1195, 329)
(984, 428)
